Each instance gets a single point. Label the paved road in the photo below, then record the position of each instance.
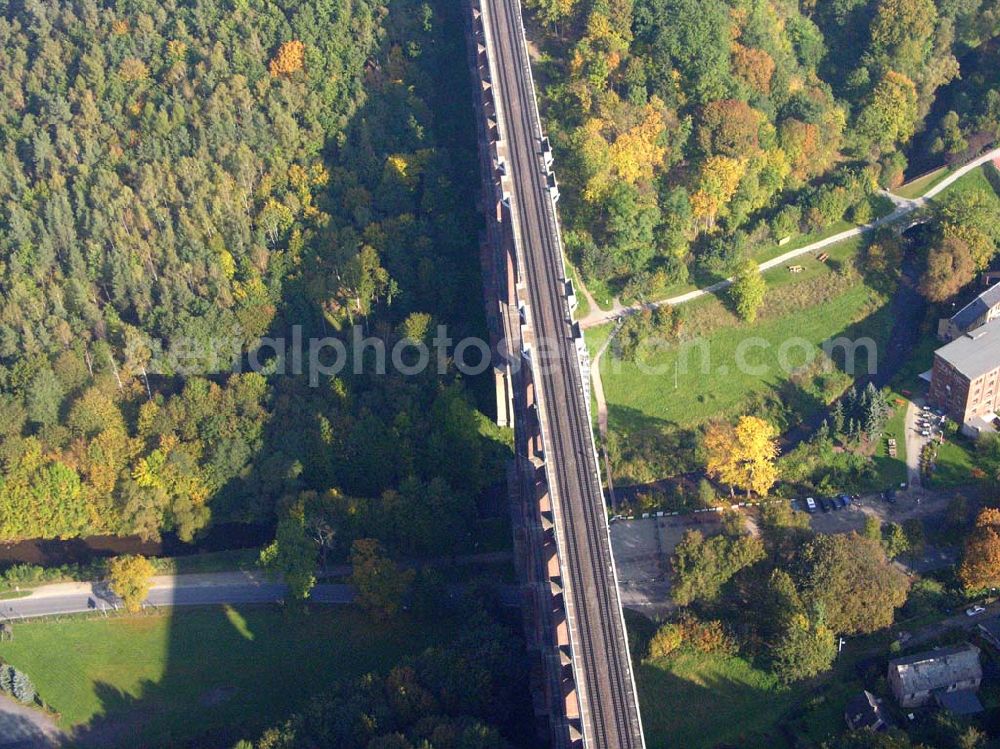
(23, 727)
(904, 206)
(602, 667)
(182, 590)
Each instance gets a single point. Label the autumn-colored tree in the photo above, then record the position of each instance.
(720, 176)
(729, 128)
(130, 579)
(800, 141)
(380, 585)
(551, 12)
(901, 33)
(637, 152)
(754, 67)
(981, 245)
(290, 58)
(949, 268)
(133, 69)
(980, 566)
(850, 579)
(742, 456)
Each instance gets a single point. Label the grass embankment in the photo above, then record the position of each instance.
(161, 680)
(916, 188)
(726, 361)
(974, 181)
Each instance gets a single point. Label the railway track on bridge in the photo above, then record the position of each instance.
(601, 661)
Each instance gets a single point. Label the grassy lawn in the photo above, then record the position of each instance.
(696, 701)
(801, 240)
(699, 379)
(229, 670)
(954, 464)
(892, 471)
(840, 253)
(973, 181)
(919, 186)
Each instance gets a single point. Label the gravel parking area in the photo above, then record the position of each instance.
(642, 550)
(23, 727)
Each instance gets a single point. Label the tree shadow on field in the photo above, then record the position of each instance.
(228, 673)
(648, 452)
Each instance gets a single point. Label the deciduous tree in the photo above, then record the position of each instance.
(292, 555)
(742, 456)
(748, 290)
(700, 566)
(852, 581)
(949, 269)
(130, 578)
(980, 566)
(379, 583)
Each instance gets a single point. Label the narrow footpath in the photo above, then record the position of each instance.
(904, 206)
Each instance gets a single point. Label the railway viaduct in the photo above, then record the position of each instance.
(583, 685)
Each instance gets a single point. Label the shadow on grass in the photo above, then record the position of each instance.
(228, 673)
(702, 701)
(645, 448)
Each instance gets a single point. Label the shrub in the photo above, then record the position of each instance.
(22, 688)
(7, 679)
(667, 639)
(16, 684)
(709, 637)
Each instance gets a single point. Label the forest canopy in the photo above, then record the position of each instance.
(693, 132)
(177, 172)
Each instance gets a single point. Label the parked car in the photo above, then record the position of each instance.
(810, 504)
(975, 610)
(925, 433)
(890, 496)
(824, 503)
(844, 500)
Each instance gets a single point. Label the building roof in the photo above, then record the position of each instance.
(975, 353)
(863, 711)
(967, 316)
(925, 672)
(960, 702)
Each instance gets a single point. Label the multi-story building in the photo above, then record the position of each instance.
(964, 379)
(981, 310)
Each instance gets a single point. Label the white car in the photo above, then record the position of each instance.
(810, 504)
(975, 610)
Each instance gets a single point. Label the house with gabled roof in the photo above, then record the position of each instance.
(918, 679)
(979, 311)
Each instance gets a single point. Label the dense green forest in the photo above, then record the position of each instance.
(178, 174)
(693, 132)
